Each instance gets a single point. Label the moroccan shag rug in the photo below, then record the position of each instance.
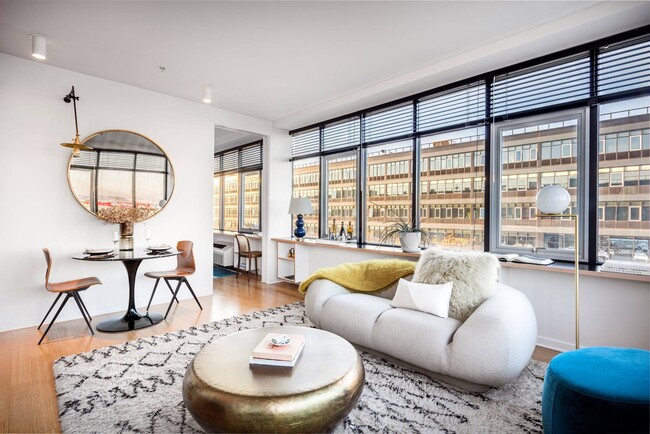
(137, 387)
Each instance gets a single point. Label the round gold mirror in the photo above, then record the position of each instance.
(126, 177)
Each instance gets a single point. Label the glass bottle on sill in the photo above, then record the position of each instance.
(349, 230)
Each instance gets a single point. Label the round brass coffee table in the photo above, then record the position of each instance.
(224, 394)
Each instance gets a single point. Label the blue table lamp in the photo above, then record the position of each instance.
(300, 206)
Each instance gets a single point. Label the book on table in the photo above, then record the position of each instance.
(522, 259)
(265, 353)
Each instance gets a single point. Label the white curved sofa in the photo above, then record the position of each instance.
(489, 349)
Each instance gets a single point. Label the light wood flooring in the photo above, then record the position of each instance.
(27, 396)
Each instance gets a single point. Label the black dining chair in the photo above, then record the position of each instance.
(71, 289)
(185, 267)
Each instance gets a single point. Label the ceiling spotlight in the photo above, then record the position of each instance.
(39, 46)
(207, 94)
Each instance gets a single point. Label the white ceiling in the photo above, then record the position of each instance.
(228, 139)
(296, 63)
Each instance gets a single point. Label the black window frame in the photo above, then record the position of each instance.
(589, 101)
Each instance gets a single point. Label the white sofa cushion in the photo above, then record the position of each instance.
(424, 297)
(416, 337)
(474, 275)
(353, 316)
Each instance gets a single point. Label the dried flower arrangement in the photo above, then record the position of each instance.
(117, 214)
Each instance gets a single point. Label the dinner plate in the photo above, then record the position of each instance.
(159, 248)
(97, 251)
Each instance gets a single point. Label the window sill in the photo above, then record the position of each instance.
(556, 267)
(585, 270)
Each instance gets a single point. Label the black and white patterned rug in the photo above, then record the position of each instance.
(137, 387)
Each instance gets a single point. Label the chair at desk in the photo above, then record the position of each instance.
(244, 251)
(185, 267)
(71, 289)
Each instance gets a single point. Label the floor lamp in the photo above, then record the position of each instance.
(551, 201)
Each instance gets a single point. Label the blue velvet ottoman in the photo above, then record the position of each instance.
(597, 390)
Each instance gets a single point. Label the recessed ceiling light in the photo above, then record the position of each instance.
(39, 47)
(207, 94)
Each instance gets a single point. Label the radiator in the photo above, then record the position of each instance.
(222, 254)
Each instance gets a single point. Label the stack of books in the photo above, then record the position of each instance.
(628, 267)
(267, 354)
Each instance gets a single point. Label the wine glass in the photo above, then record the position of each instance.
(116, 238)
(147, 236)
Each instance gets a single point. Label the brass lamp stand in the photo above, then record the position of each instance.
(577, 263)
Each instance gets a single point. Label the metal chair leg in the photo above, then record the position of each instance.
(249, 268)
(65, 300)
(171, 303)
(84, 306)
(153, 293)
(256, 269)
(187, 282)
(238, 265)
(50, 310)
(77, 298)
(171, 290)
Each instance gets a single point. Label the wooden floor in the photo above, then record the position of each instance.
(27, 396)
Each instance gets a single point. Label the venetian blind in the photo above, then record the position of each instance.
(624, 66)
(548, 84)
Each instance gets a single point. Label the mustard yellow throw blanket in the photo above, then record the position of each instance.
(363, 276)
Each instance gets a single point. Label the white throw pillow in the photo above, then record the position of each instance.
(424, 297)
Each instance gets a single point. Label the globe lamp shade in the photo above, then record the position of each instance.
(553, 199)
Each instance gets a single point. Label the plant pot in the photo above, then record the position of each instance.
(410, 241)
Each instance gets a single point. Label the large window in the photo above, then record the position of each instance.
(216, 202)
(251, 208)
(306, 182)
(389, 181)
(237, 189)
(529, 155)
(452, 192)
(341, 173)
(231, 202)
(579, 119)
(624, 180)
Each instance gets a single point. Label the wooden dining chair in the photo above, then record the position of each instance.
(244, 251)
(185, 267)
(71, 289)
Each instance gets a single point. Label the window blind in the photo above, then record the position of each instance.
(218, 163)
(230, 161)
(342, 134)
(152, 163)
(250, 157)
(245, 158)
(460, 106)
(305, 143)
(389, 123)
(86, 159)
(548, 84)
(624, 66)
(116, 160)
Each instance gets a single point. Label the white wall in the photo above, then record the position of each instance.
(38, 210)
(613, 312)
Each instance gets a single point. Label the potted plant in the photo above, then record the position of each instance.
(410, 235)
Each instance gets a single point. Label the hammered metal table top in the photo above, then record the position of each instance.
(223, 364)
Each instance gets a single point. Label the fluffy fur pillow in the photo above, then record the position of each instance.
(474, 275)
